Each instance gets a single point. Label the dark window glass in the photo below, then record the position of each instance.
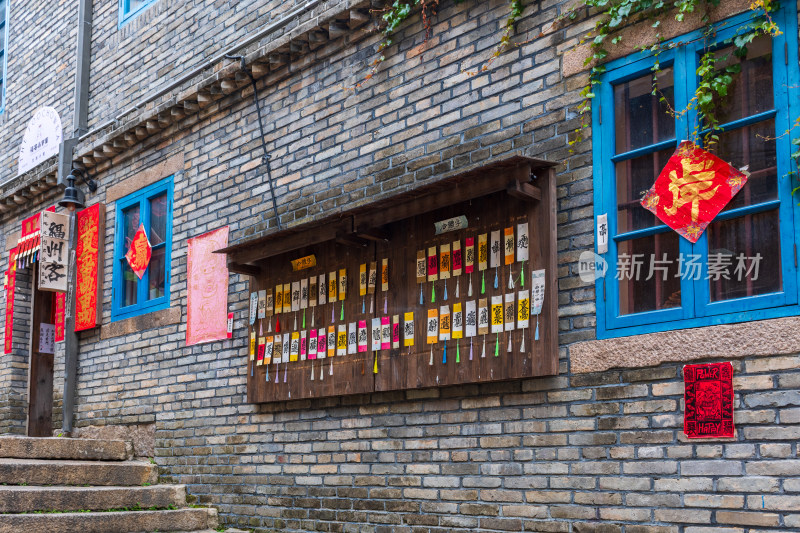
(648, 271)
(634, 178)
(641, 119)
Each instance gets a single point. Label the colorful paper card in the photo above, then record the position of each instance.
(495, 250)
(253, 307)
(278, 299)
(376, 334)
(471, 319)
(444, 261)
(385, 275)
(469, 255)
(61, 316)
(395, 331)
(294, 346)
(445, 323)
(708, 400)
(342, 284)
(312, 344)
(363, 341)
(322, 294)
(268, 350)
(458, 260)
(277, 350)
(90, 225)
(483, 317)
(304, 293)
(458, 321)
(497, 314)
(139, 252)
(433, 264)
(523, 243)
(433, 326)
(322, 337)
(362, 279)
(286, 345)
(483, 252)
(408, 329)
(341, 340)
(421, 266)
(303, 345)
(270, 307)
(331, 341)
(207, 288)
(262, 349)
(313, 291)
(386, 333)
(287, 298)
(523, 309)
(537, 291)
(372, 280)
(508, 245)
(332, 286)
(694, 186)
(252, 345)
(262, 304)
(295, 296)
(510, 313)
(352, 338)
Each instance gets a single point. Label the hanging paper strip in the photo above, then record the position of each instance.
(385, 275)
(458, 260)
(331, 341)
(433, 264)
(469, 255)
(433, 326)
(252, 345)
(342, 284)
(363, 341)
(277, 350)
(287, 298)
(708, 397)
(322, 336)
(253, 307)
(304, 293)
(523, 309)
(408, 329)
(451, 224)
(537, 291)
(90, 228)
(313, 291)
(386, 333)
(352, 338)
(10, 288)
(312, 344)
(497, 314)
(294, 346)
(268, 350)
(483, 252)
(395, 331)
(207, 288)
(494, 257)
(694, 186)
(509, 312)
(372, 280)
(376, 335)
(421, 266)
(286, 344)
(140, 252)
(303, 345)
(262, 348)
(323, 290)
(295, 296)
(262, 303)
(458, 321)
(522, 241)
(445, 324)
(471, 319)
(362, 279)
(61, 315)
(483, 317)
(278, 299)
(332, 286)
(341, 340)
(444, 261)
(508, 245)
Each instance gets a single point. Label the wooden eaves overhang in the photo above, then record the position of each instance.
(517, 175)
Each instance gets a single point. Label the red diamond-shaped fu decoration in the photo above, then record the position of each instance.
(693, 188)
(139, 253)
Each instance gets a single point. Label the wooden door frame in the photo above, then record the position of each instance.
(33, 346)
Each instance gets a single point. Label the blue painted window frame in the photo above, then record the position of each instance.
(126, 14)
(4, 17)
(696, 309)
(142, 305)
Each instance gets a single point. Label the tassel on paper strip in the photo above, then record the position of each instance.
(312, 319)
(445, 291)
(363, 305)
(266, 367)
(277, 325)
(421, 299)
(433, 293)
(457, 285)
(312, 370)
(444, 354)
(470, 349)
(458, 353)
(333, 313)
(522, 344)
(536, 334)
(522, 275)
(277, 373)
(285, 372)
(341, 314)
(509, 344)
(371, 304)
(430, 363)
(330, 372)
(269, 325)
(375, 366)
(385, 305)
(469, 289)
(322, 371)
(510, 280)
(483, 352)
(483, 282)
(496, 278)
(497, 346)
(295, 322)
(304, 319)
(252, 369)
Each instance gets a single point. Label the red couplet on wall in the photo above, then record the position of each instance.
(60, 314)
(11, 279)
(90, 224)
(709, 400)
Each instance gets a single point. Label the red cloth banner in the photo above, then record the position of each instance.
(61, 315)
(139, 254)
(11, 279)
(90, 224)
(207, 284)
(693, 188)
(708, 397)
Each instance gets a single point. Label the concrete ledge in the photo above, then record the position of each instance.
(156, 319)
(143, 178)
(119, 522)
(58, 448)
(729, 341)
(25, 499)
(60, 472)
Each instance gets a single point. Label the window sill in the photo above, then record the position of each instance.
(127, 326)
(729, 341)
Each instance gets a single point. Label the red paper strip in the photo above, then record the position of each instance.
(693, 188)
(61, 314)
(708, 398)
(10, 285)
(207, 288)
(90, 224)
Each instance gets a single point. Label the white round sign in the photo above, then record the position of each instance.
(41, 140)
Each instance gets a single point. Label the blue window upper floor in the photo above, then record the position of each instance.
(129, 9)
(150, 208)
(4, 10)
(744, 266)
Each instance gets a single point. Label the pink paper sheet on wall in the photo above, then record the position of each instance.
(207, 284)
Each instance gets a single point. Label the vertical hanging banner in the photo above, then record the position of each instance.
(444, 323)
(362, 279)
(376, 335)
(508, 245)
(253, 307)
(497, 314)
(444, 261)
(708, 397)
(408, 329)
(523, 309)
(331, 340)
(252, 345)
(362, 336)
(372, 280)
(523, 243)
(494, 257)
(313, 291)
(433, 264)
(509, 312)
(207, 288)
(90, 225)
(295, 296)
(483, 252)
(386, 333)
(294, 350)
(268, 350)
(278, 299)
(342, 284)
(469, 255)
(457, 261)
(322, 338)
(537, 291)
(304, 293)
(61, 315)
(471, 319)
(312, 344)
(483, 317)
(11, 281)
(53, 255)
(421, 266)
(303, 345)
(287, 298)
(341, 340)
(433, 326)
(323, 290)
(269, 304)
(458, 321)
(385, 275)
(333, 284)
(277, 350)
(352, 338)
(395, 331)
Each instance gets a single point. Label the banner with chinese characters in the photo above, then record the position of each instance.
(708, 399)
(61, 315)
(207, 288)
(54, 253)
(89, 227)
(11, 281)
(692, 189)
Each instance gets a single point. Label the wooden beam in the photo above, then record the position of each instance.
(525, 191)
(239, 268)
(373, 234)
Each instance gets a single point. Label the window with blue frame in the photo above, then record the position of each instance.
(152, 208)
(128, 9)
(3, 52)
(744, 265)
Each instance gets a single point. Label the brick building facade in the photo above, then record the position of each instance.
(597, 448)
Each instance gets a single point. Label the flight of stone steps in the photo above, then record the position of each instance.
(58, 485)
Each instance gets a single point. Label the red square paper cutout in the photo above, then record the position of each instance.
(708, 397)
(139, 253)
(693, 188)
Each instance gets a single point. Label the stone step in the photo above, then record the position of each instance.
(88, 473)
(111, 522)
(59, 448)
(27, 499)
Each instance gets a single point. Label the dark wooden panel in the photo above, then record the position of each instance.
(40, 391)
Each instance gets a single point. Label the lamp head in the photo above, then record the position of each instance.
(73, 197)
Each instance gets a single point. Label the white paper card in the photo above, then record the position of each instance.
(352, 339)
(537, 291)
(523, 242)
(495, 249)
(376, 334)
(471, 319)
